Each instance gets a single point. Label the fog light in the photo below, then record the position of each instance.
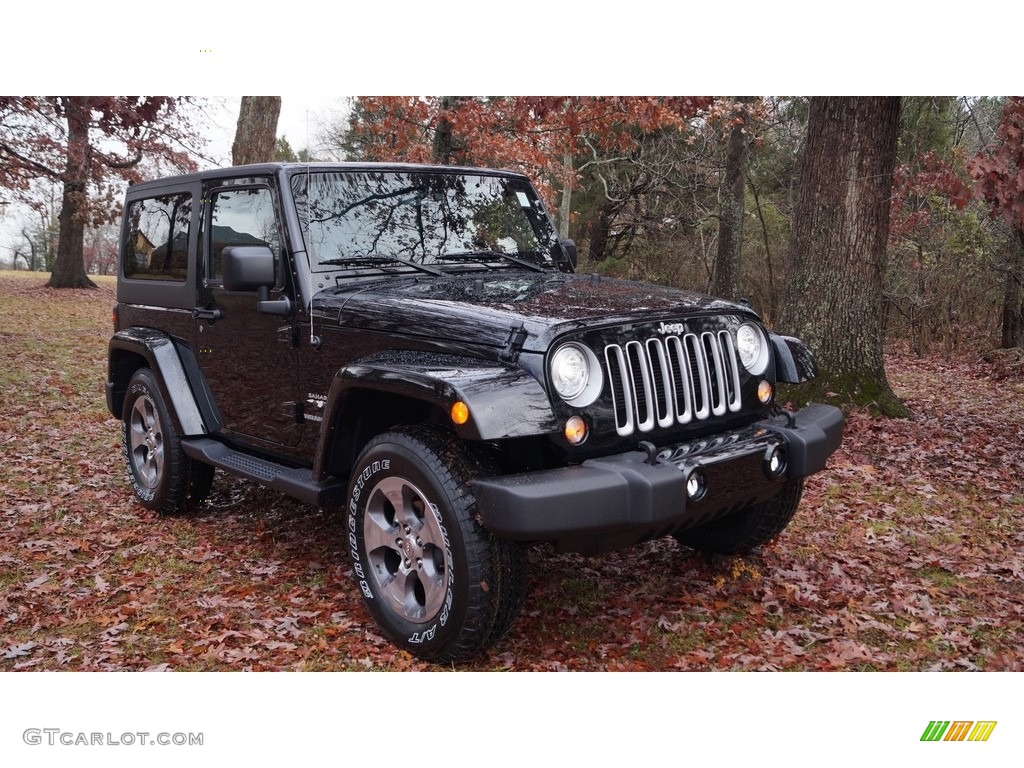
(575, 430)
(775, 462)
(696, 485)
(460, 412)
(764, 391)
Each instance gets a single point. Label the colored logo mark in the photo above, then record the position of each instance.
(958, 730)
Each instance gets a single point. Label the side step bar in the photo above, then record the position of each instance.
(297, 483)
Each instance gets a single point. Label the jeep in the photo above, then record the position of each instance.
(413, 347)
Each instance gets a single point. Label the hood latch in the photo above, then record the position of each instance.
(513, 344)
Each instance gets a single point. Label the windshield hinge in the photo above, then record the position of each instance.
(513, 344)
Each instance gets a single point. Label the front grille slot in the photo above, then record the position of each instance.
(672, 380)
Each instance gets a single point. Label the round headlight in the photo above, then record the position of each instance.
(570, 371)
(576, 374)
(752, 348)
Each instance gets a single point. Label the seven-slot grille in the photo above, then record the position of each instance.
(674, 379)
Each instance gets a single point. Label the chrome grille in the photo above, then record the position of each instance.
(672, 380)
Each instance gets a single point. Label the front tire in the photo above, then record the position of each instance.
(437, 583)
(749, 528)
(163, 478)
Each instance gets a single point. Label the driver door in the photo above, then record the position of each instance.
(249, 358)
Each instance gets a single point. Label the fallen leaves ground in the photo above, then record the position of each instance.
(906, 555)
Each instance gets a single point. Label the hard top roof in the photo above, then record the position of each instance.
(269, 169)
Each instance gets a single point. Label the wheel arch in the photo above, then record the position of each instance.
(358, 415)
(381, 392)
(135, 348)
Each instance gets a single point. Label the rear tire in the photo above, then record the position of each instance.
(437, 583)
(742, 531)
(163, 478)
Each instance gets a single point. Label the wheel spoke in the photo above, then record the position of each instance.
(430, 532)
(393, 489)
(377, 534)
(405, 500)
(434, 567)
(144, 409)
(397, 591)
(146, 469)
(140, 463)
(139, 429)
(156, 460)
(434, 587)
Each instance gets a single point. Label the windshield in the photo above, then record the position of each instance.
(362, 218)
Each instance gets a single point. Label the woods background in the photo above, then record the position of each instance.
(698, 192)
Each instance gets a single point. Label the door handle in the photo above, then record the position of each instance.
(213, 315)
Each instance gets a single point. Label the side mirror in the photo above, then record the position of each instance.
(569, 247)
(247, 267)
(251, 268)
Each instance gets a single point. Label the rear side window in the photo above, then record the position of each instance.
(156, 246)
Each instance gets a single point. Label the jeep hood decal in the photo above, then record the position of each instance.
(481, 308)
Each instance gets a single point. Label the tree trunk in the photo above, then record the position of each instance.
(445, 144)
(31, 261)
(565, 206)
(838, 247)
(69, 266)
(1013, 296)
(256, 132)
(729, 260)
(598, 232)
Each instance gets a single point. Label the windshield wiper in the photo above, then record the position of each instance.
(481, 256)
(375, 260)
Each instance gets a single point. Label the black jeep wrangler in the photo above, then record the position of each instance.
(411, 345)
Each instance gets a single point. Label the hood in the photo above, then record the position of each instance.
(480, 308)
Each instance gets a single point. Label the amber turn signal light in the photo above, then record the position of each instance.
(460, 412)
(575, 430)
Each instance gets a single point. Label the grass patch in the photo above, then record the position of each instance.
(940, 577)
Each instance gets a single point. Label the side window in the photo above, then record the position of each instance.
(156, 247)
(240, 217)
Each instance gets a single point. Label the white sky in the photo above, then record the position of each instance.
(301, 120)
(405, 47)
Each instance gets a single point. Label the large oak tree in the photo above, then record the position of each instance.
(83, 144)
(838, 247)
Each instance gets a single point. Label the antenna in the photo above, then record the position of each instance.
(314, 340)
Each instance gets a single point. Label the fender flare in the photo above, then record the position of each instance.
(794, 361)
(172, 363)
(504, 401)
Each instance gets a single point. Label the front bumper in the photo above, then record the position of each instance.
(616, 501)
